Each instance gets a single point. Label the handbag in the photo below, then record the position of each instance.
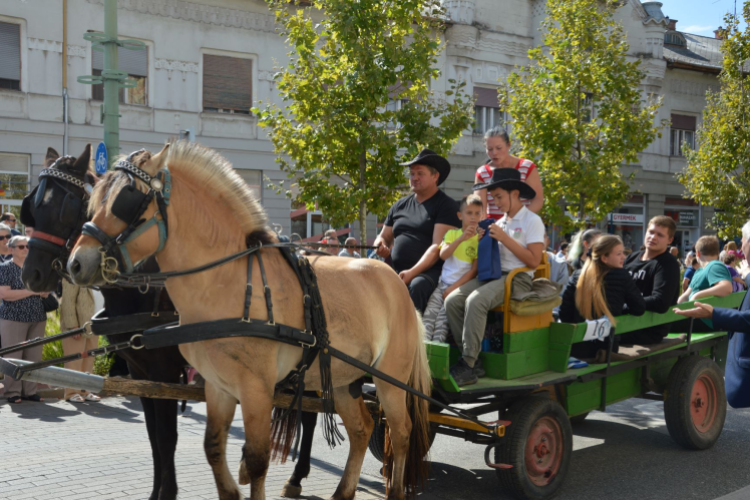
(50, 303)
(488, 255)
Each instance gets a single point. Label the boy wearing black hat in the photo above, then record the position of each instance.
(520, 233)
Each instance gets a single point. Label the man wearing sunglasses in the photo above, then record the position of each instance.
(10, 220)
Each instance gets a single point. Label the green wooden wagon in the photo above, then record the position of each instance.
(529, 387)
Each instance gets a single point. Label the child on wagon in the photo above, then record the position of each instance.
(459, 251)
(520, 233)
(601, 288)
(712, 279)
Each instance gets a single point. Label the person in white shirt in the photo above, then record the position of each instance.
(348, 251)
(520, 233)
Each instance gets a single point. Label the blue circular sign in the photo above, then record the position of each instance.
(101, 159)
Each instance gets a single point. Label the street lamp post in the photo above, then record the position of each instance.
(112, 78)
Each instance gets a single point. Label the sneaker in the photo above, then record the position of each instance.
(478, 368)
(463, 374)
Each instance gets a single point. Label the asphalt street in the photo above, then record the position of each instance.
(75, 452)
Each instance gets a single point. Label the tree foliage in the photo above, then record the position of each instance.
(717, 173)
(578, 112)
(337, 136)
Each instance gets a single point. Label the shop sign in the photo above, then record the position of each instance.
(626, 218)
(687, 218)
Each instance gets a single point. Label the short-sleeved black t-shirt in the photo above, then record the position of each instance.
(413, 226)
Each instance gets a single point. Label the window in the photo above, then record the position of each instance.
(227, 84)
(14, 176)
(485, 118)
(678, 138)
(487, 112)
(135, 64)
(588, 111)
(675, 39)
(254, 179)
(10, 56)
(682, 132)
(394, 105)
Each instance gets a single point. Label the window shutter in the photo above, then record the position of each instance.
(10, 51)
(684, 122)
(133, 62)
(486, 97)
(14, 163)
(227, 83)
(253, 178)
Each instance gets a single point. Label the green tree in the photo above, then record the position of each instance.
(578, 112)
(717, 173)
(358, 101)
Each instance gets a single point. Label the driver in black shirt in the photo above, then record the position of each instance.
(416, 225)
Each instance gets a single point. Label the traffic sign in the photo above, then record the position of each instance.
(101, 159)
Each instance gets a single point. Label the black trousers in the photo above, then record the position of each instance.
(421, 288)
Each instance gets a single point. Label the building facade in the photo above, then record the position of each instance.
(207, 62)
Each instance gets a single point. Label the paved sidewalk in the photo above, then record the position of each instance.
(59, 450)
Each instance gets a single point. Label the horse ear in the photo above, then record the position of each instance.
(156, 162)
(51, 156)
(81, 164)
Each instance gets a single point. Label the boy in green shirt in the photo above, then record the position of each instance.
(711, 280)
(459, 251)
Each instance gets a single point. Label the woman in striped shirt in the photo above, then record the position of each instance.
(497, 145)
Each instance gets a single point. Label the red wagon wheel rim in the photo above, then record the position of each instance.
(703, 407)
(544, 451)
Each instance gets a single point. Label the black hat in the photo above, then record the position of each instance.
(509, 179)
(429, 158)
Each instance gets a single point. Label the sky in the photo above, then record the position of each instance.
(699, 17)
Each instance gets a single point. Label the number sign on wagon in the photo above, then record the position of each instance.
(597, 329)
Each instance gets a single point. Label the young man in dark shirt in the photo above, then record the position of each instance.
(657, 275)
(416, 225)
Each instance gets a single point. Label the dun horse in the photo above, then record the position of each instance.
(56, 218)
(211, 214)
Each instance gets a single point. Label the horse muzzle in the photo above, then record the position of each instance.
(85, 267)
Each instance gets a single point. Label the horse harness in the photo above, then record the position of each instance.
(130, 206)
(313, 339)
(72, 214)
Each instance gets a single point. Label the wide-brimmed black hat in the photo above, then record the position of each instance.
(429, 158)
(508, 179)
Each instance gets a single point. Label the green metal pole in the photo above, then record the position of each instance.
(111, 105)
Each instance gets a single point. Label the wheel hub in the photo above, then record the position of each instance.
(703, 403)
(544, 451)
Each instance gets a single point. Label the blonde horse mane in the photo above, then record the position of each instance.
(203, 167)
(214, 173)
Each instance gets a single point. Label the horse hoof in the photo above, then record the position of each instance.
(291, 491)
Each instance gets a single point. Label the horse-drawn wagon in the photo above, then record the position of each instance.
(521, 410)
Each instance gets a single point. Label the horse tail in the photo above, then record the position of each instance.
(417, 468)
(283, 430)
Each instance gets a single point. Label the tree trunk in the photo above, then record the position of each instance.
(362, 202)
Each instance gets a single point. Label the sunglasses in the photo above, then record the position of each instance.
(22, 247)
(6, 237)
(11, 220)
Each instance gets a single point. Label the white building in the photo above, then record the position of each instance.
(195, 49)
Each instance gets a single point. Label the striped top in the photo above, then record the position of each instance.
(484, 174)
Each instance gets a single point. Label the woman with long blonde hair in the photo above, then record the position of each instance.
(601, 288)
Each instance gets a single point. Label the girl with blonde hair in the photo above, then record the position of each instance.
(601, 288)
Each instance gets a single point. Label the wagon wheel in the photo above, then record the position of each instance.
(376, 445)
(695, 404)
(538, 444)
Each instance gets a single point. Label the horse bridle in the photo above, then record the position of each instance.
(72, 213)
(129, 206)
